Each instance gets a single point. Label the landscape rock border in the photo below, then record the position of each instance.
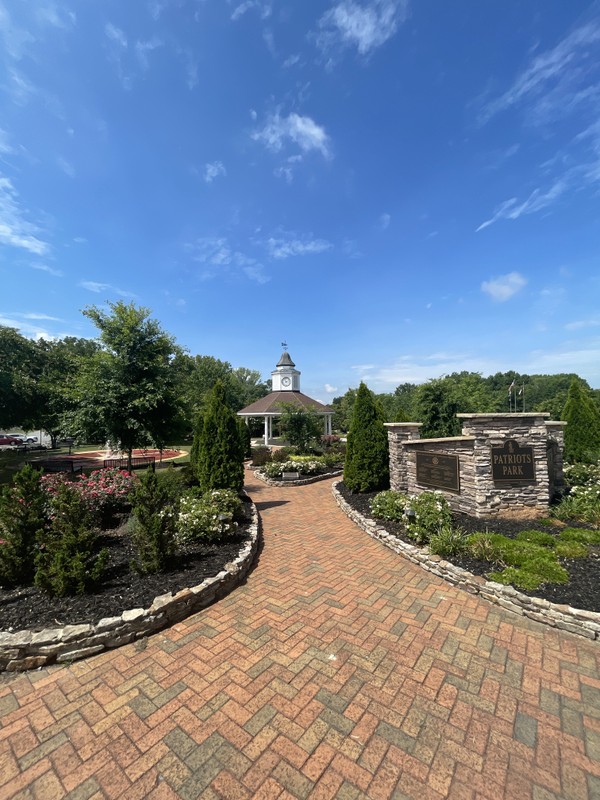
(299, 482)
(566, 618)
(26, 649)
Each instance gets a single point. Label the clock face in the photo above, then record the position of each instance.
(285, 381)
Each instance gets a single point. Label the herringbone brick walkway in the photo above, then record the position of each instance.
(338, 670)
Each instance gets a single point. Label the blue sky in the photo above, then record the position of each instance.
(398, 189)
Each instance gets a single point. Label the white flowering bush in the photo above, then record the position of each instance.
(304, 465)
(583, 501)
(212, 516)
(427, 514)
(389, 505)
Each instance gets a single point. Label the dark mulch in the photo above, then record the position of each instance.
(122, 587)
(582, 590)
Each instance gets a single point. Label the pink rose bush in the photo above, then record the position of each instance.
(104, 492)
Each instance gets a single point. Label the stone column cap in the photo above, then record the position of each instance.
(505, 415)
(409, 442)
(557, 423)
(403, 424)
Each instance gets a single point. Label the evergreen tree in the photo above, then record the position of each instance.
(367, 460)
(155, 507)
(220, 463)
(582, 432)
(69, 562)
(245, 437)
(22, 524)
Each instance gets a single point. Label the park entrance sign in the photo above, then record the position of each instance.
(502, 464)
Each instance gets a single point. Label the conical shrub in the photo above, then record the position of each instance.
(366, 468)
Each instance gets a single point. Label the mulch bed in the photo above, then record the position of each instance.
(582, 590)
(122, 587)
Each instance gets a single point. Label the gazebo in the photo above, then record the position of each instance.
(286, 390)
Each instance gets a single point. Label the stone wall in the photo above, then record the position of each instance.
(479, 494)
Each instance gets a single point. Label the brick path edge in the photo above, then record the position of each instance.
(575, 620)
(25, 649)
(299, 482)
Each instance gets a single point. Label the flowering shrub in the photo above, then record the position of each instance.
(212, 516)
(429, 512)
(104, 492)
(583, 500)
(305, 465)
(389, 505)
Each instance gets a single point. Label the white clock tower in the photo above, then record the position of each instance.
(285, 377)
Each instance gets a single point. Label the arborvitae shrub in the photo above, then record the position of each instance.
(22, 524)
(245, 437)
(366, 468)
(155, 509)
(220, 456)
(68, 561)
(582, 432)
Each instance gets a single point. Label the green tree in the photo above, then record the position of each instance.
(155, 509)
(300, 426)
(582, 432)
(18, 359)
(366, 468)
(22, 525)
(220, 459)
(69, 562)
(126, 391)
(245, 437)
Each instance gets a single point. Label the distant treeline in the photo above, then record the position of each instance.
(436, 403)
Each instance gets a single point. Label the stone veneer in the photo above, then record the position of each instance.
(563, 617)
(479, 495)
(32, 649)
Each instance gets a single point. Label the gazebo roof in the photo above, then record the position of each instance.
(273, 402)
(285, 360)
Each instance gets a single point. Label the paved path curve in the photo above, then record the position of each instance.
(338, 671)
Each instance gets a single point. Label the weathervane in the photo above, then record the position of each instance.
(284, 345)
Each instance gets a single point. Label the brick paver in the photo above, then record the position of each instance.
(339, 670)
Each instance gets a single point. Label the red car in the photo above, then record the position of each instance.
(10, 441)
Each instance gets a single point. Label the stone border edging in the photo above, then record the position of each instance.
(299, 482)
(566, 618)
(28, 650)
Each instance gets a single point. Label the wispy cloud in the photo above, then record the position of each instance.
(384, 221)
(263, 7)
(97, 288)
(66, 166)
(537, 200)
(504, 287)
(57, 273)
(143, 48)
(213, 169)
(299, 130)
(15, 229)
(330, 389)
(580, 324)
(365, 26)
(218, 257)
(554, 79)
(284, 246)
(34, 315)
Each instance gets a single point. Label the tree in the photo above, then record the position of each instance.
(245, 437)
(582, 432)
(300, 426)
(220, 459)
(126, 391)
(17, 378)
(366, 468)
(22, 524)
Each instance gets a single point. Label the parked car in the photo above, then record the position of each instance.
(10, 441)
(18, 436)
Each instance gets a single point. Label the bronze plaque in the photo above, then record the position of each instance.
(513, 463)
(438, 471)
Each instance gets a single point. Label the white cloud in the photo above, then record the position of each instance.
(264, 9)
(365, 26)
(580, 324)
(384, 221)
(143, 48)
(330, 389)
(5, 146)
(537, 201)
(66, 166)
(94, 286)
(302, 131)
(550, 82)
(57, 273)
(212, 170)
(218, 256)
(504, 287)
(115, 35)
(34, 315)
(15, 229)
(290, 245)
